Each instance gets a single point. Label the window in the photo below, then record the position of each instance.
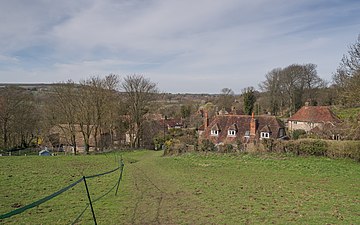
(214, 132)
(264, 135)
(281, 132)
(295, 122)
(231, 132)
(247, 134)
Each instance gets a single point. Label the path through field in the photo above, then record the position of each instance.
(159, 199)
(243, 189)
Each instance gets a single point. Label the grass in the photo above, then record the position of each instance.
(347, 113)
(188, 189)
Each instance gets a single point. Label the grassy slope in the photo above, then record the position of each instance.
(190, 189)
(347, 113)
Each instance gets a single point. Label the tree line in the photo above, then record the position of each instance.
(91, 107)
(110, 105)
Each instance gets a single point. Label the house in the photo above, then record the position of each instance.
(60, 137)
(153, 127)
(232, 129)
(310, 117)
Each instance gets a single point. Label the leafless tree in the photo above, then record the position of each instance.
(291, 86)
(18, 118)
(226, 99)
(272, 86)
(62, 110)
(139, 91)
(101, 107)
(346, 79)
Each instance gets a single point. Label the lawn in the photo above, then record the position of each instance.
(188, 189)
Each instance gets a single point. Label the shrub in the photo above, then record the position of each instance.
(296, 134)
(229, 148)
(344, 149)
(312, 147)
(207, 145)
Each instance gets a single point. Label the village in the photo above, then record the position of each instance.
(180, 112)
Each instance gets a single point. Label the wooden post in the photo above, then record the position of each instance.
(91, 206)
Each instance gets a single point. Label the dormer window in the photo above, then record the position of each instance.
(247, 134)
(214, 132)
(265, 132)
(264, 135)
(231, 132)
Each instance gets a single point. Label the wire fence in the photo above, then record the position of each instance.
(83, 179)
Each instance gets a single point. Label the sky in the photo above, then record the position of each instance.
(185, 46)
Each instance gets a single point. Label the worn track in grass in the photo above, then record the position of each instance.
(158, 200)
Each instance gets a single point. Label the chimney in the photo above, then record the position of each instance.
(253, 125)
(206, 119)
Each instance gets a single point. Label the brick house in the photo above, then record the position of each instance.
(310, 117)
(231, 129)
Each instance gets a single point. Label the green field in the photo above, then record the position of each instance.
(189, 189)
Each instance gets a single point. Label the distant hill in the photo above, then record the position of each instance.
(26, 85)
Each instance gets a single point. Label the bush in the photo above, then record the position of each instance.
(344, 149)
(296, 134)
(207, 145)
(312, 147)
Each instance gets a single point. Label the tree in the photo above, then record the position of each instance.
(346, 79)
(291, 86)
(249, 100)
(272, 87)
(226, 98)
(139, 92)
(62, 111)
(18, 118)
(185, 111)
(97, 114)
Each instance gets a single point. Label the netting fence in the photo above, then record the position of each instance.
(83, 180)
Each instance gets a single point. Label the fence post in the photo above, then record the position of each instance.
(121, 172)
(91, 206)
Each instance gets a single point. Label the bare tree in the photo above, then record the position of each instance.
(86, 113)
(100, 97)
(291, 86)
(226, 98)
(62, 110)
(346, 78)
(351, 61)
(18, 118)
(272, 86)
(139, 92)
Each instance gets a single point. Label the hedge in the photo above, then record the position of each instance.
(316, 147)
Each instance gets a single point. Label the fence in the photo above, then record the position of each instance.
(82, 179)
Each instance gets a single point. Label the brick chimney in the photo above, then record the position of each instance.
(253, 125)
(206, 119)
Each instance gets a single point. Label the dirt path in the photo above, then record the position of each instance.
(159, 199)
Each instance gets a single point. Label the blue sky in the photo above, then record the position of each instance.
(196, 46)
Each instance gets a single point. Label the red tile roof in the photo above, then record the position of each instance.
(242, 123)
(317, 114)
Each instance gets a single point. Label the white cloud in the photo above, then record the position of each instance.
(196, 46)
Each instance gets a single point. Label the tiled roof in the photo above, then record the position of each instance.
(266, 128)
(242, 123)
(319, 114)
(215, 127)
(233, 127)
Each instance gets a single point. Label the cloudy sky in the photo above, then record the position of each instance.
(197, 46)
